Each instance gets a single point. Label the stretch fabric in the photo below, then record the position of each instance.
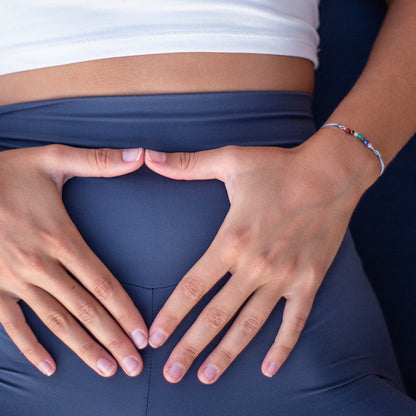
(149, 231)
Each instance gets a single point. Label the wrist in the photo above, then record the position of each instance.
(362, 139)
(344, 158)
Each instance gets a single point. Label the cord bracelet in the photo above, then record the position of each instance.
(362, 139)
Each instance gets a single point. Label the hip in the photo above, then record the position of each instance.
(156, 214)
(160, 73)
(149, 230)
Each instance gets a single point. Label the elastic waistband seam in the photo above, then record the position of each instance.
(30, 105)
(172, 285)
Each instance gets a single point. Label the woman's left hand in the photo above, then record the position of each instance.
(286, 221)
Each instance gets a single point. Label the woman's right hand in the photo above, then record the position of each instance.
(40, 251)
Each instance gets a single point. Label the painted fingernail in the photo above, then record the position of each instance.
(271, 369)
(157, 338)
(176, 371)
(139, 339)
(106, 366)
(158, 157)
(132, 365)
(131, 155)
(210, 373)
(46, 368)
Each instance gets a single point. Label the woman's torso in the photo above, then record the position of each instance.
(160, 73)
(122, 48)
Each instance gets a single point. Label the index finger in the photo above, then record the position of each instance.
(209, 269)
(78, 258)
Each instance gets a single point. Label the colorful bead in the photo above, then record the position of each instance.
(360, 137)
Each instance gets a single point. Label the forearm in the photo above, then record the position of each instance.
(382, 104)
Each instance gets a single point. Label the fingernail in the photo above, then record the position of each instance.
(157, 338)
(106, 366)
(210, 373)
(271, 369)
(46, 368)
(158, 157)
(139, 339)
(176, 371)
(131, 155)
(132, 365)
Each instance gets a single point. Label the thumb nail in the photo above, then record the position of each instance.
(131, 155)
(158, 157)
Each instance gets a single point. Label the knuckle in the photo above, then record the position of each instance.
(216, 317)
(233, 152)
(85, 349)
(87, 312)
(262, 263)
(34, 262)
(22, 289)
(297, 323)
(283, 350)
(169, 320)
(312, 276)
(305, 289)
(189, 350)
(250, 325)
(187, 161)
(55, 241)
(192, 288)
(226, 355)
(49, 237)
(290, 267)
(57, 322)
(103, 288)
(125, 316)
(30, 351)
(233, 156)
(54, 151)
(12, 328)
(100, 158)
(115, 344)
(236, 241)
(315, 280)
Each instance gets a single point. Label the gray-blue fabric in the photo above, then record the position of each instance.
(149, 230)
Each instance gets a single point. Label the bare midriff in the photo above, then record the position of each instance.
(160, 74)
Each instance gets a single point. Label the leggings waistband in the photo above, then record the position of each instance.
(169, 122)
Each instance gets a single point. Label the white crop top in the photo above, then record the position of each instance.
(42, 33)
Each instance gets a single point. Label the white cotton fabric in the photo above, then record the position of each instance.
(43, 33)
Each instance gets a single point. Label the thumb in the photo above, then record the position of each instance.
(67, 162)
(206, 164)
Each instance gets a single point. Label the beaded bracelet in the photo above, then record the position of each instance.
(360, 137)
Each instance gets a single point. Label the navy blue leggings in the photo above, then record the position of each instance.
(149, 230)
